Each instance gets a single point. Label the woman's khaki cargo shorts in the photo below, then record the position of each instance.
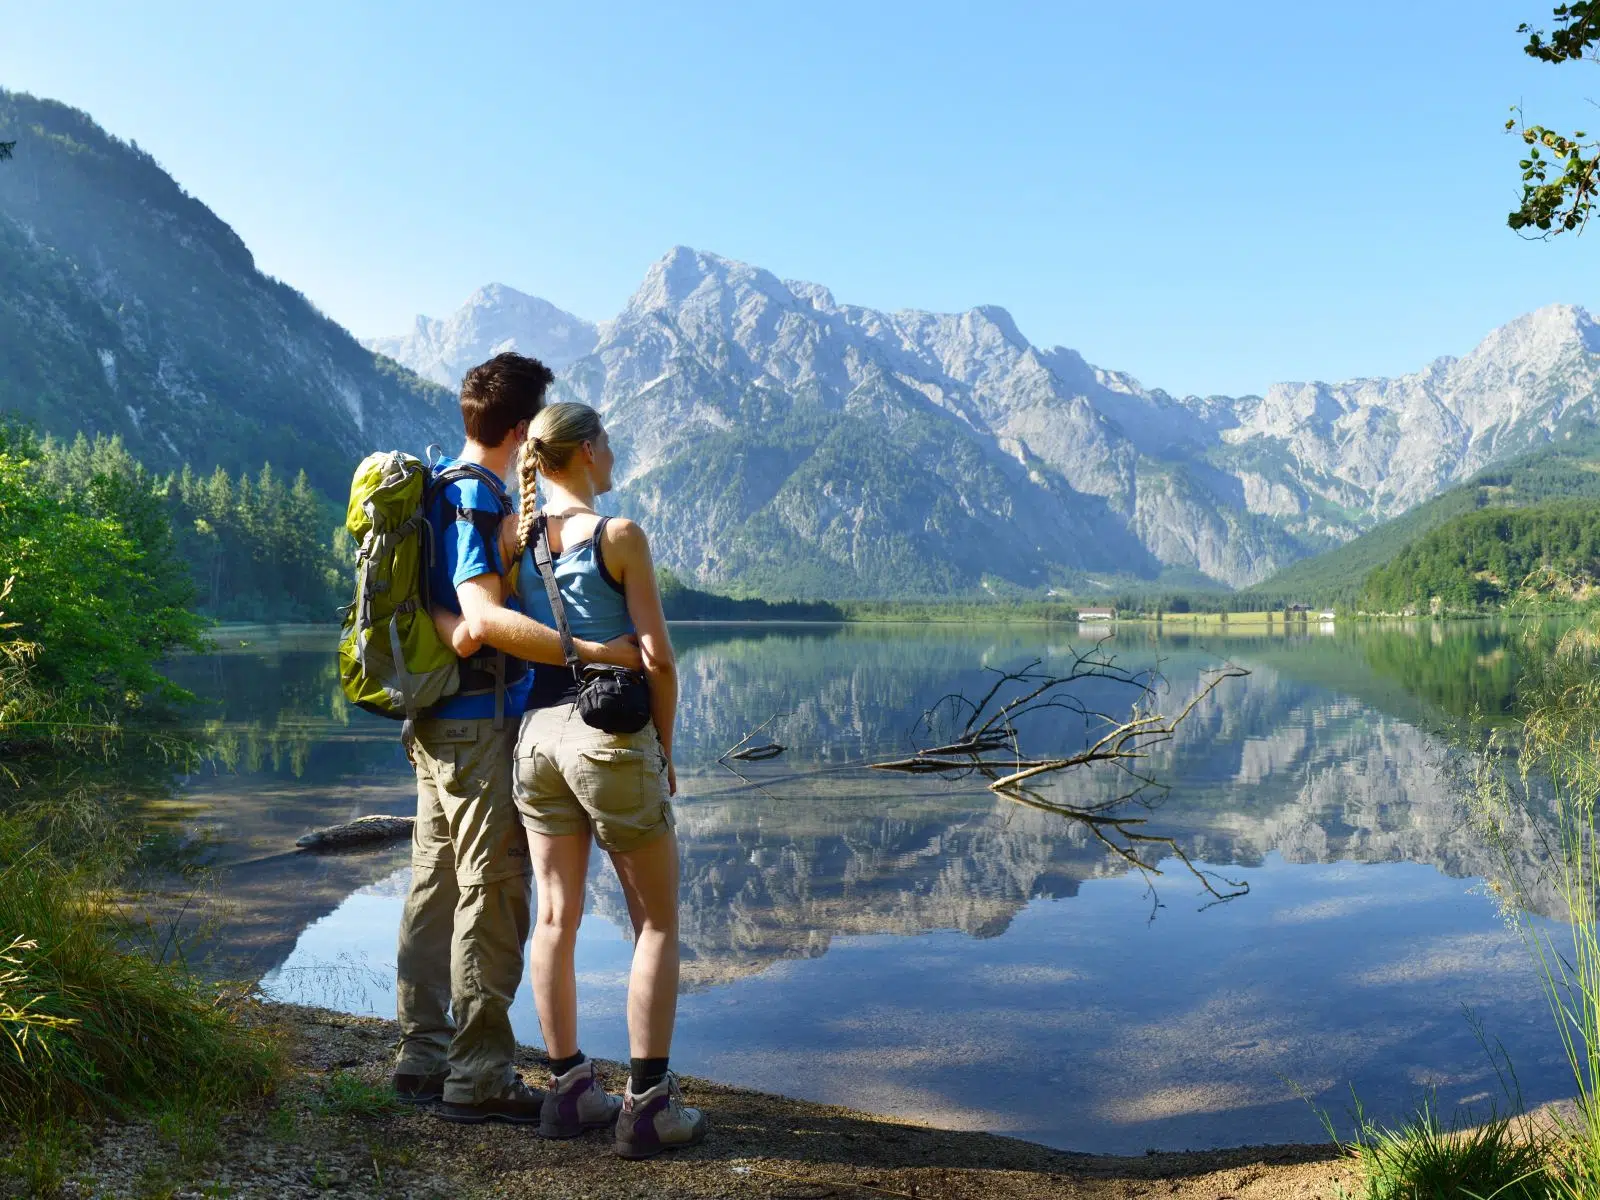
(571, 778)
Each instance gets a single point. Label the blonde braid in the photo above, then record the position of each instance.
(528, 484)
(555, 434)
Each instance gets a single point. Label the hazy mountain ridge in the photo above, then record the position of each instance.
(128, 307)
(495, 318)
(777, 439)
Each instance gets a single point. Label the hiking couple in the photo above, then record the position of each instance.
(513, 784)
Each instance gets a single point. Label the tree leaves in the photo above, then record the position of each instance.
(1561, 173)
(95, 584)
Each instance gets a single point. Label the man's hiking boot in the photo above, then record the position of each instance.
(419, 1089)
(519, 1104)
(576, 1102)
(657, 1120)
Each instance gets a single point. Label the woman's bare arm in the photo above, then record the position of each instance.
(627, 554)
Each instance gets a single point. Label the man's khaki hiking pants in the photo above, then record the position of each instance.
(466, 918)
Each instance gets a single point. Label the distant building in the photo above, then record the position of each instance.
(1097, 614)
(1327, 616)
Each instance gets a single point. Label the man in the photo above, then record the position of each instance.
(466, 918)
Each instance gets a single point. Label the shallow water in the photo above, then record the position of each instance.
(917, 945)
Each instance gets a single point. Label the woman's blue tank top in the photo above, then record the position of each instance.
(596, 608)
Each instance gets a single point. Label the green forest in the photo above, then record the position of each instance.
(1546, 552)
(1568, 468)
(254, 547)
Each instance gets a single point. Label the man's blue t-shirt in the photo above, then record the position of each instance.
(466, 522)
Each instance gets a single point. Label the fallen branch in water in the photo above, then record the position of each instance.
(921, 764)
(1130, 740)
(744, 752)
(1122, 742)
(757, 753)
(360, 832)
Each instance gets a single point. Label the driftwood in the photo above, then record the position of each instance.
(757, 753)
(1120, 741)
(990, 726)
(1108, 828)
(361, 832)
(743, 751)
(1124, 742)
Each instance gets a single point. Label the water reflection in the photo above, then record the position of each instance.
(904, 943)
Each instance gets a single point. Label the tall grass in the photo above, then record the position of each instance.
(88, 1026)
(1543, 783)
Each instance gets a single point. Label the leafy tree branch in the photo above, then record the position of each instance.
(1561, 172)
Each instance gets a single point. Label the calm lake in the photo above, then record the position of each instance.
(917, 945)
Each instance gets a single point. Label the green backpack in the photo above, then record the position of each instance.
(392, 660)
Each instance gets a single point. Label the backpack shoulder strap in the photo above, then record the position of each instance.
(488, 526)
(485, 522)
(456, 472)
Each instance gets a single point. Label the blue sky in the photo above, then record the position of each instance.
(1213, 196)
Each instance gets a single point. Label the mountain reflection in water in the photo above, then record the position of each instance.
(888, 941)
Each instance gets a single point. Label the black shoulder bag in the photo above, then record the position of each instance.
(611, 699)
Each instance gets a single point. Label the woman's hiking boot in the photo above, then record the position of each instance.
(419, 1089)
(519, 1104)
(657, 1120)
(575, 1102)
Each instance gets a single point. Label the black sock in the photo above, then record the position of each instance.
(560, 1066)
(646, 1073)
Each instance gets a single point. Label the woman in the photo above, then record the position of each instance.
(575, 784)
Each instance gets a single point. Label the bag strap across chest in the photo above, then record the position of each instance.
(542, 560)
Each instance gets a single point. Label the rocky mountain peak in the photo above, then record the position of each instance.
(703, 282)
(1538, 342)
(494, 318)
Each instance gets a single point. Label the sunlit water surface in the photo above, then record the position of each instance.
(917, 945)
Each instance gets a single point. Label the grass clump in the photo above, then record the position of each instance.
(346, 1094)
(88, 1027)
(1423, 1159)
(41, 1163)
(1542, 785)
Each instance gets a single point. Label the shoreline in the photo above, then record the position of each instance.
(243, 635)
(313, 1139)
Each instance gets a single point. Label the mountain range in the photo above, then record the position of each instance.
(776, 440)
(779, 440)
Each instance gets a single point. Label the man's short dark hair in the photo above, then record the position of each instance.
(495, 395)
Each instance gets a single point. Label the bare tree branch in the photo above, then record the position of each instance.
(1099, 824)
(1130, 740)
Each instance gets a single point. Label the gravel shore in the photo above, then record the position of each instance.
(316, 1139)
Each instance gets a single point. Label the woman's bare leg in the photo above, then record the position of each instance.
(649, 878)
(560, 869)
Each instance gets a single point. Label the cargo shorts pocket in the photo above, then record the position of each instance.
(614, 777)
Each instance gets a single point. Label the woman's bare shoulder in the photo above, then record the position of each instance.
(623, 542)
(620, 531)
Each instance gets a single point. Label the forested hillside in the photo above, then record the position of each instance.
(1544, 552)
(1567, 469)
(129, 308)
(251, 547)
